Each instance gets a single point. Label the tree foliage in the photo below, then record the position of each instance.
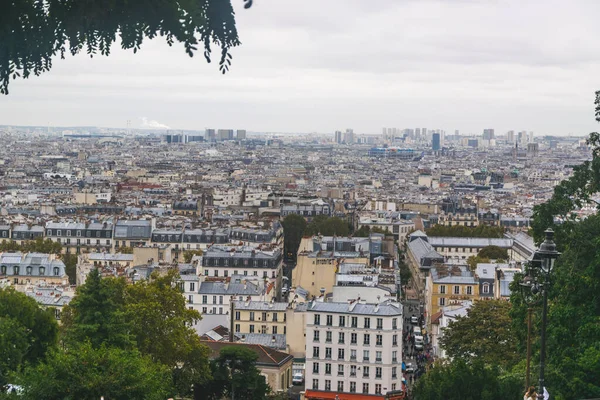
(472, 261)
(485, 334)
(161, 325)
(327, 226)
(70, 261)
(493, 253)
(294, 226)
(85, 372)
(27, 332)
(33, 32)
(97, 313)
(462, 380)
(189, 254)
(235, 375)
(39, 245)
(481, 231)
(366, 230)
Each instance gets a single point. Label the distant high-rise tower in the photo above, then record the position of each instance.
(488, 134)
(241, 134)
(456, 132)
(339, 138)
(436, 141)
(530, 137)
(510, 137)
(349, 136)
(210, 135)
(418, 133)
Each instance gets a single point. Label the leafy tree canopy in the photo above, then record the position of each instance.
(294, 226)
(33, 32)
(39, 245)
(485, 334)
(366, 230)
(474, 260)
(327, 226)
(189, 254)
(97, 313)
(27, 332)
(235, 371)
(493, 253)
(481, 231)
(85, 372)
(461, 380)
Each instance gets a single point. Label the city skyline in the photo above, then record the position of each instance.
(460, 65)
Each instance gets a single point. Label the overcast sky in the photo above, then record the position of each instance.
(325, 65)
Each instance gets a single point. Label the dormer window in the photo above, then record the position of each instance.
(16, 270)
(29, 270)
(42, 270)
(56, 271)
(3, 269)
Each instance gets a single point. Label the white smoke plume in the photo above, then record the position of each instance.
(152, 124)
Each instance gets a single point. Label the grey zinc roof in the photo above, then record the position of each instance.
(421, 249)
(261, 306)
(384, 309)
(265, 339)
(65, 225)
(469, 242)
(110, 257)
(231, 289)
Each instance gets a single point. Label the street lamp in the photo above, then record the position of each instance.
(537, 280)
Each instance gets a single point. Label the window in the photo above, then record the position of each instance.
(365, 372)
(365, 355)
(78, 233)
(393, 387)
(237, 328)
(377, 388)
(354, 323)
(190, 299)
(315, 368)
(352, 387)
(16, 270)
(214, 300)
(367, 323)
(365, 388)
(68, 233)
(327, 384)
(379, 323)
(329, 320)
(315, 336)
(353, 354)
(341, 338)
(315, 351)
(204, 299)
(340, 386)
(353, 370)
(251, 315)
(378, 356)
(394, 372)
(456, 289)
(58, 233)
(315, 384)
(367, 339)
(29, 269)
(264, 316)
(317, 319)
(328, 337)
(379, 340)
(353, 337)
(42, 270)
(442, 301)
(204, 310)
(394, 356)
(342, 320)
(327, 352)
(340, 369)
(469, 289)
(327, 369)
(192, 286)
(216, 272)
(274, 317)
(442, 289)
(274, 330)
(341, 354)
(395, 340)
(378, 372)
(395, 323)
(486, 288)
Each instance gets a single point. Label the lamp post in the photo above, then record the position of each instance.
(537, 280)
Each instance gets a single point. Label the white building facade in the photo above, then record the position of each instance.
(353, 348)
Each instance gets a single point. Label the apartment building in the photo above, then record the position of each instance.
(354, 348)
(77, 237)
(26, 270)
(447, 285)
(465, 247)
(267, 317)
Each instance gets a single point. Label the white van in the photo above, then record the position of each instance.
(417, 331)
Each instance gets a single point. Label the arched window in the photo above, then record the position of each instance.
(29, 269)
(56, 271)
(42, 270)
(3, 269)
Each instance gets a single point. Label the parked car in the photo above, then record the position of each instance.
(298, 379)
(410, 368)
